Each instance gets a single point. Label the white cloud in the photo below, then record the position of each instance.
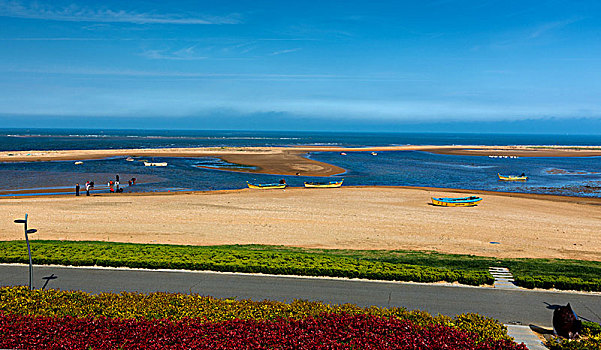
(75, 13)
(528, 36)
(166, 104)
(282, 52)
(544, 28)
(185, 54)
(76, 71)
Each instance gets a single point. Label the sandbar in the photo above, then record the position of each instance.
(293, 160)
(276, 160)
(526, 226)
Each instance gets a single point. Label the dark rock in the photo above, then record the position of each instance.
(565, 322)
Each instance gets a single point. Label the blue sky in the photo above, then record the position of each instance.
(313, 65)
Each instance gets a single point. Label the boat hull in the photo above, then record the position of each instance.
(456, 202)
(266, 186)
(512, 178)
(324, 185)
(154, 164)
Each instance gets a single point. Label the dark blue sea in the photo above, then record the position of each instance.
(563, 176)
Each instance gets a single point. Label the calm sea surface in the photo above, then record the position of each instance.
(564, 176)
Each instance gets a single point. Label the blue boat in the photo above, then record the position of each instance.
(456, 202)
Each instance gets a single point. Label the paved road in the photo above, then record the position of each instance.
(508, 306)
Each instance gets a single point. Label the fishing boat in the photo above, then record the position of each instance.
(456, 202)
(343, 153)
(266, 186)
(331, 184)
(78, 163)
(512, 177)
(155, 164)
(129, 159)
(374, 153)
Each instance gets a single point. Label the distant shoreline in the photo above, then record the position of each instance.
(292, 160)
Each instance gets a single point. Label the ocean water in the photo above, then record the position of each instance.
(564, 176)
(48, 139)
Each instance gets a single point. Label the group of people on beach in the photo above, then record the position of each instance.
(89, 186)
(112, 185)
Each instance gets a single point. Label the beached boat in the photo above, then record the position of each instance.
(512, 177)
(331, 184)
(155, 164)
(266, 186)
(456, 202)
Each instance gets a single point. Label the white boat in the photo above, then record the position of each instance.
(374, 153)
(155, 164)
(78, 163)
(129, 159)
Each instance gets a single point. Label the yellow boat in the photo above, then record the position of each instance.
(266, 186)
(331, 184)
(512, 177)
(456, 202)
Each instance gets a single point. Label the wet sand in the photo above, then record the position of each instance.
(346, 218)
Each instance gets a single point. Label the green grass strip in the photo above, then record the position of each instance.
(529, 273)
(233, 259)
(418, 266)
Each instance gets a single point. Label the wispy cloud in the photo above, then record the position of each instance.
(282, 52)
(75, 13)
(185, 54)
(195, 39)
(73, 71)
(61, 39)
(546, 27)
(156, 102)
(528, 36)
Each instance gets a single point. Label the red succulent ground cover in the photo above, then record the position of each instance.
(328, 331)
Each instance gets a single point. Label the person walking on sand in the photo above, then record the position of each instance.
(77, 190)
(117, 186)
(88, 189)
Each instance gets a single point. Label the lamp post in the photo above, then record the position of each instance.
(27, 231)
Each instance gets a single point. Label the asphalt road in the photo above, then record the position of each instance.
(507, 306)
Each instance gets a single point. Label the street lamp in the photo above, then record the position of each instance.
(27, 231)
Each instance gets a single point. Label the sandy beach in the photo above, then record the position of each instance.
(346, 218)
(524, 225)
